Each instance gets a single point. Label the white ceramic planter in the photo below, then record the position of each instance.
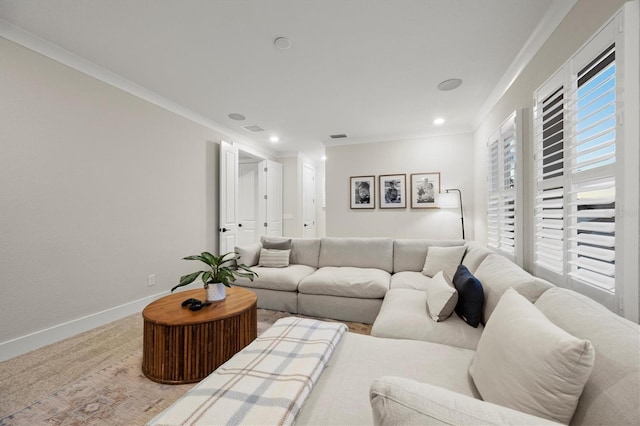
(216, 292)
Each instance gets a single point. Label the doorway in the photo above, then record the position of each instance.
(308, 201)
(250, 198)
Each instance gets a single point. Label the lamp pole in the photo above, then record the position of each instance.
(461, 213)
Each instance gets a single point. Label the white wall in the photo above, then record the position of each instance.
(451, 155)
(98, 190)
(586, 17)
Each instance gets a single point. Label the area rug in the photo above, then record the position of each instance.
(118, 394)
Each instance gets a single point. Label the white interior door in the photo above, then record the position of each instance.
(273, 192)
(249, 203)
(308, 201)
(228, 229)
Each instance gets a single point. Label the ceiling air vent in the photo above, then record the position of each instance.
(340, 136)
(253, 128)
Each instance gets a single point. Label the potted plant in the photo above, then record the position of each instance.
(222, 271)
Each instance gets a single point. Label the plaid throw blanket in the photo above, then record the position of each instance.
(265, 383)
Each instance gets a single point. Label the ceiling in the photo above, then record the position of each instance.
(365, 68)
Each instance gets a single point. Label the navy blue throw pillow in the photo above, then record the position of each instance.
(470, 296)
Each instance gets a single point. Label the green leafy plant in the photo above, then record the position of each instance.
(221, 270)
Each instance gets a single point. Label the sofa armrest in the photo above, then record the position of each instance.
(396, 400)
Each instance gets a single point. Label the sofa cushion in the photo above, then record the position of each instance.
(612, 392)
(410, 279)
(274, 258)
(470, 296)
(404, 315)
(442, 298)
(497, 274)
(305, 251)
(282, 279)
(527, 363)
(357, 252)
(474, 255)
(364, 283)
(354, 309)
(444, 259)
(341, 396)
(410, 254)
(401, 401)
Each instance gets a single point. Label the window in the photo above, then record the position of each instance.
(504, 187)
(580, 169)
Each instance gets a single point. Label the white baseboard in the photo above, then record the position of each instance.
(29, 342)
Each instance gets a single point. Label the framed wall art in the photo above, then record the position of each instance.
(425, 188)
(362, 192)
(393, 192)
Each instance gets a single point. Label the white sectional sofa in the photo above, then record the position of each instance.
(341, 278)
(578, 362)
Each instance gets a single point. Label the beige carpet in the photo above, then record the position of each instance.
(93, 379)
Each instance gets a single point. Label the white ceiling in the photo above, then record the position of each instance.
(367, 68)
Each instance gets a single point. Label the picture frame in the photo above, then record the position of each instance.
(393, 193)
(425, 188)
(362, 192)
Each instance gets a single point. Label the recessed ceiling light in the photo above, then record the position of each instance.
(450, 84)
(282, 43)
(438, 121)
(323, 158)
(236, 116)
(274, 139)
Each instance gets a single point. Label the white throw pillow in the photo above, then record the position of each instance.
(443, 259)
(525, 362)
(442, 297)
(274, 258)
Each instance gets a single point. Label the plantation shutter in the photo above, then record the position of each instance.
(493, 203)
(549, 160)
(592, 202)
(503, 205)
(508, 184)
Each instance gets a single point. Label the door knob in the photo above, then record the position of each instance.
(239, 225)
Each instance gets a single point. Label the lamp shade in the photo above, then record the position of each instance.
(448, 200)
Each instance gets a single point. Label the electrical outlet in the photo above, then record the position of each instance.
(151, 280)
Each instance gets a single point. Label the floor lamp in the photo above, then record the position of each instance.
(448, 200)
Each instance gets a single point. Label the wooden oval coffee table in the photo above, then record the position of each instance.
(184, 346)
